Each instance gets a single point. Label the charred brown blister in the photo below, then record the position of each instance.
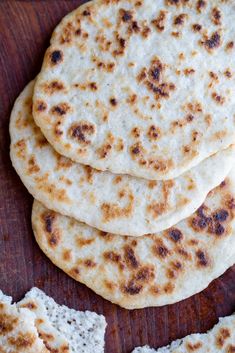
(159, 21)
(213, 42)
(56, 57)
(82, 131)
(222, 336)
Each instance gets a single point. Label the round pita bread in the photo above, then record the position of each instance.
(119, 204)
(144, 88)
(221, 339)
(151, 270)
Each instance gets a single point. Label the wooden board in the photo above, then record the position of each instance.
(25, 29)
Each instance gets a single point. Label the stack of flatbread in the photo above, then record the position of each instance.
(126, 141)
(37, 324)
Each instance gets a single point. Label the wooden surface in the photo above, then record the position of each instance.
(25, 29)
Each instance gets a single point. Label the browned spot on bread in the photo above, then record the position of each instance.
(152, 184)
(46, 337)
(132, 99)
(41, 141)
(216, 16)
(67, 255)
(74, 272)
(129, 257)
(104, 150)
(213, 76)
(133, 28)
(160, 250)
(113, 101)
(211, 43)
(111, 211)
(221, 215)
(125, 15)
(139, 3)
(222, 336)
(30, 305)
(157, 208)
(230, 349)
(200, 5)
(109, 285)
(135, 132)
(196, 27)
(40, 106)
(7, 323)
(202, 258)
(229, 46)
(159, 22)
(93, 86)
(230, 203)
(56, 57)
(54, 238)
(66, 36)
(23, 340)
(173, 271)
(168, 288)
(189, 71)
(48, 219)
(53, 87)
(82, 131)
(180, 19)
(112, 256)
(228, 73)
(63, 162)
(153, 133)
(32, 165)
(192, 347)
(84, 242)
(145, 32)
(176, 2)
(136, 149)
(86, 12)
(117, 179)
(154, 290)
(131, 288)
(89, 263)
(175, 234)
(145, 274)
(175, 34)
(218, 98)
(60, 109)
(21, 147)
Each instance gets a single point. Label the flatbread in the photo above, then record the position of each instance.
(144, 88)
(84, 331)
(151, 270)
(54, 340)
(17, 330)
(221, 339)
(113, 203)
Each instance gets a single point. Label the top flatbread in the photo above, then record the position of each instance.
(221, 339)
(145, 88)
(122, 205)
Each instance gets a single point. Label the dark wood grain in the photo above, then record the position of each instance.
(25, 29)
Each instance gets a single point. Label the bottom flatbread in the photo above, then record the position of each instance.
(151, 270)
(221, 339)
